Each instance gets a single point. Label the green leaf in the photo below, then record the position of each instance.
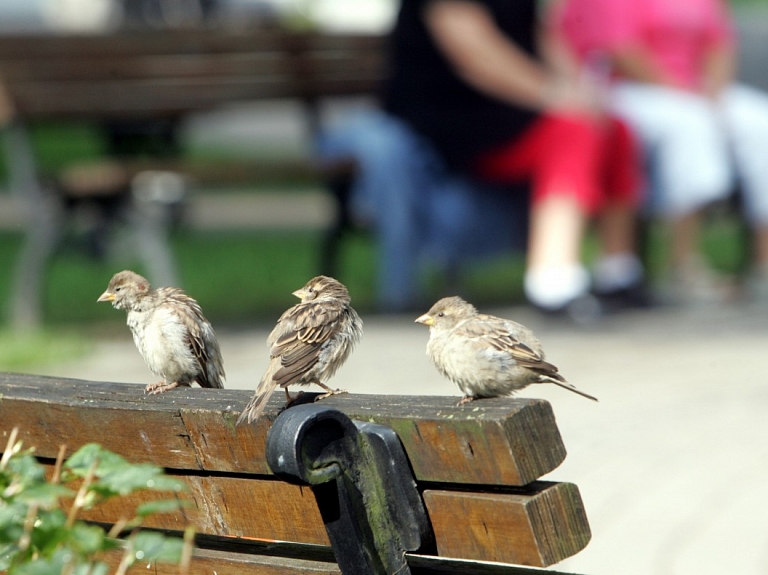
(7, 553)
(97, 568)
(44, 565)
(86, 539)
(134, 477)
(26, 469)
(49, 531)
(12, 515)
(152, 546)
(82, 460)
(44, 495)
(161, 506)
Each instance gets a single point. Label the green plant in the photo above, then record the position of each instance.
(39, 537)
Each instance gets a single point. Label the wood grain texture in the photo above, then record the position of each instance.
(210, 561)
(230, 507)
(537, 528)
(492, 442)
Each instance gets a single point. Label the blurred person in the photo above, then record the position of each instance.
(673, 66)
(478, 89)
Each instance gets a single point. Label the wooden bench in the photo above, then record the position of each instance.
(161, 77)
(475, 470)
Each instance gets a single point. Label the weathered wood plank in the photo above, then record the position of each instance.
(208, 561)
(232, 507)
(538, 525)
(493, 442)
(539, 528)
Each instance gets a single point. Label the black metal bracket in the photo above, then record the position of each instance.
(363, 484)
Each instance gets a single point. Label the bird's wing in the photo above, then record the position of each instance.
(505, 336)
(299, 336)
(200, 338)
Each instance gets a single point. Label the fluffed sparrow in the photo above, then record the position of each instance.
(174, 338)
(486, 356)
(310, 342)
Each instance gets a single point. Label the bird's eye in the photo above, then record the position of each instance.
(118, 288)
(441, 314)
(311, 290)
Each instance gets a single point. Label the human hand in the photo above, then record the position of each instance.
(574, 95)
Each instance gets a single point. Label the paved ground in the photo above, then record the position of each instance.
(672, 463)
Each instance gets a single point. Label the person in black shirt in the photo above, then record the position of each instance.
(497, 101)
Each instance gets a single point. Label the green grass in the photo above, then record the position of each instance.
(238, 278)
(245, 277)
(20, 351)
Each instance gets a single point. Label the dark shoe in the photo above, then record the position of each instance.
(636, 296)
(584, 310)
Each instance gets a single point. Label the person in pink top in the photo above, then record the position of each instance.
(671, 67)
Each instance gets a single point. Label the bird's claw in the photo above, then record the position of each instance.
(465, 399)
(330, 393)
(160, 387)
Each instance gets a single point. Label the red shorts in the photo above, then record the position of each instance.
(595, 161)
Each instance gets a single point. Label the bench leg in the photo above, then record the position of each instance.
(152, 195)
(43, 217)
(340, 188)
(41, 238)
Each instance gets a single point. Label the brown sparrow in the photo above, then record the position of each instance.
(486, 356)
(309, 343)
(169, 328)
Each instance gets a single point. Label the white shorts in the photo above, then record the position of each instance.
(695, 146)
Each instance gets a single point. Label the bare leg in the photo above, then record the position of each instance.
(465, 399)
(761, 246)
(685, 231)
(289, 399)
(555, 276)
(557, 227)
(693, 280)
(616, 228)
(328, 391)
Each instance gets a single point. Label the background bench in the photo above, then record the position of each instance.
(152, 80)
(476, 471)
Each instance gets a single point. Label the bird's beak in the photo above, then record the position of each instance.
(106, 296)
(426, 319)
(300, 293)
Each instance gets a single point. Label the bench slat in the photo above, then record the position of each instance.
(539, 525)
(492, 442)
(208, 561)
(192, 41)
(171, 66)
(153, 75)
(489, 526)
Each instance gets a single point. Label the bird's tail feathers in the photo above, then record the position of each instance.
(258, 402)
(565, 385)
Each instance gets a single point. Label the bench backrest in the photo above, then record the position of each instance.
(166, 73)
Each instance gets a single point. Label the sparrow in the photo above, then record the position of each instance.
(486, 356)
(174, 338)
(310, 342)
